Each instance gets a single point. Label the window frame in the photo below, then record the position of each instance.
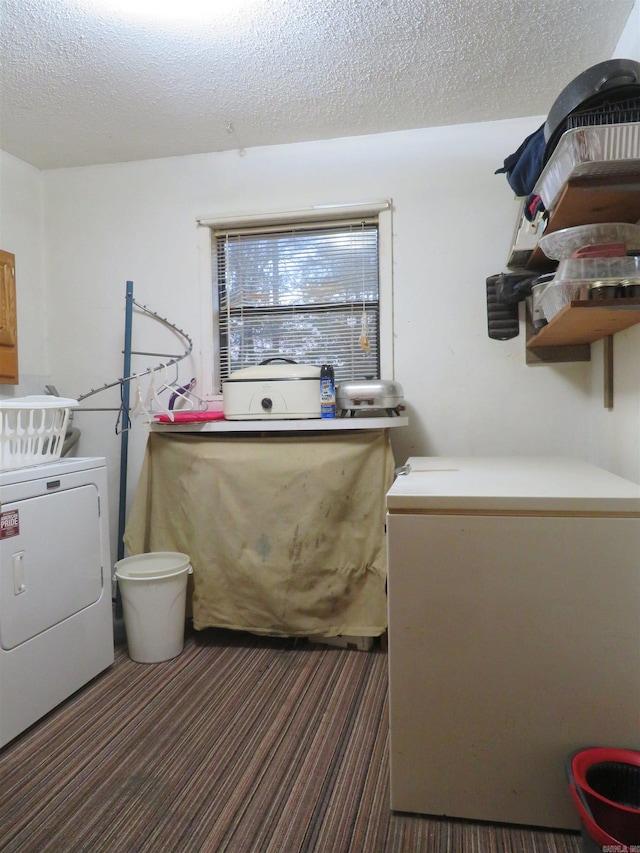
(209, 316)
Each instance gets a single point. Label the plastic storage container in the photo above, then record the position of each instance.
(575, 276)
(154, 594)
(594, 269)
(537, 313)
(557, 294)
(32, 430)
(560, 245)
(595, 151)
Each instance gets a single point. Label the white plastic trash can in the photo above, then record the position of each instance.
(153, 588)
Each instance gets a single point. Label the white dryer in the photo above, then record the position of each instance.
(56, 622)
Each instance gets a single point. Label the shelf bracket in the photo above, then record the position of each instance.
(608, 371)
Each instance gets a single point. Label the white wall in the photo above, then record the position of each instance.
(628, 46)
(614, 435)
(21, 233)
(453, 222)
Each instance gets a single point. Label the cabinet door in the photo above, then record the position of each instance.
(8, 320)
(51, 568)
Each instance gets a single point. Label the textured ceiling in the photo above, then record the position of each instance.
(80, 85)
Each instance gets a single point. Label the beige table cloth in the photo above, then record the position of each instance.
(285, 532)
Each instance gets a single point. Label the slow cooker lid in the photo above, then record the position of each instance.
(275, 372)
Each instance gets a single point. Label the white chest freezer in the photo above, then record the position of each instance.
(514, 632)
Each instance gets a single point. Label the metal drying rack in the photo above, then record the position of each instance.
(124, 383)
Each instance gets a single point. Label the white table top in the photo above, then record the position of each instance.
(293, 425)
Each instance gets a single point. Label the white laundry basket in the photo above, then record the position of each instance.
(32, 429)
(153, 588)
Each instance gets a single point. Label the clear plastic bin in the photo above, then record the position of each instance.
(560, 245)
(574, 277)
(557, 294)
(592, 269)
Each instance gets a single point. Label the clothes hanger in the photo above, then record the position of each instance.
(139, 409)
(123, 421)
(187, 393)
(153, 398)
(166, 384)
(182, 393)
(203, 405)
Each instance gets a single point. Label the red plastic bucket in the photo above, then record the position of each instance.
(605, 786)
(594, 838)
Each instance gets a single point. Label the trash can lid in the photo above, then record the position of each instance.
(154, 565)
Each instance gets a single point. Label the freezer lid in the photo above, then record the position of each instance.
(511, 484)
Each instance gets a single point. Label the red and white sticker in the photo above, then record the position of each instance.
(9, 523)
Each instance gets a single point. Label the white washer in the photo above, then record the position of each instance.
(56, 622)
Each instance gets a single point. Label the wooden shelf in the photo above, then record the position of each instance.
(568, 337)
(583, 322)
(591, 200)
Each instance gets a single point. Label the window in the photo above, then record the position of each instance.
(312, 288)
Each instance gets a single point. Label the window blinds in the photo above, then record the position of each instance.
(308, 292)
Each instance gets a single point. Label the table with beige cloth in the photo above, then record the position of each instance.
(285, 532)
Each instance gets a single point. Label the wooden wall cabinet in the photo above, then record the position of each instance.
(8, 320)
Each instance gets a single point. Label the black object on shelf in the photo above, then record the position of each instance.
(605, 83)
(502, 317)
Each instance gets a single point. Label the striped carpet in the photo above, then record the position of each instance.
(241, 744)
